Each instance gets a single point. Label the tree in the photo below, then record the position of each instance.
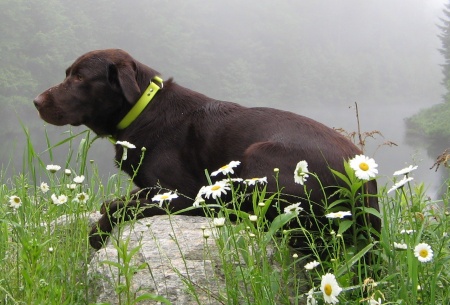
(445, 50)
(433, 124)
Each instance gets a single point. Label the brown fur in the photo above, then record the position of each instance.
(185, 132)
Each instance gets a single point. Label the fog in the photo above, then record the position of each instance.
(315, 58)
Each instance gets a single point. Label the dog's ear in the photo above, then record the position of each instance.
(124, 79)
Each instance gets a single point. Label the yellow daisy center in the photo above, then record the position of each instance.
(224, 167)
(423, 253)
(215, 187)
(328, 289)
(164, 197)
(16, 199)
(364, 166)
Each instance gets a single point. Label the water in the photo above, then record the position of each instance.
(387, 118)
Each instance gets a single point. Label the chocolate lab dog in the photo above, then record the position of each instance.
(185, 132)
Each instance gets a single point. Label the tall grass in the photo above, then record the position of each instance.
(43, 261)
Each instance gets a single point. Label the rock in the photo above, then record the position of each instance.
(173, 259)
(172, 251)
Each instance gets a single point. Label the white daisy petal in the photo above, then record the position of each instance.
(78, 179)
(340, 214)
(405, 170)
(254, 181)
(219, 222)
(53, 168)
(216, 190)
(226, 169)
(15, 202)
(165, 197)
(365, 168)
(400, 183)
(400, 246)
(300, 173)
(423, 252)
(330, 288)
(312, 265)
(44, 187)
(293, 208)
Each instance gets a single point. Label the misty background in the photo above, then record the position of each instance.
(315, 58)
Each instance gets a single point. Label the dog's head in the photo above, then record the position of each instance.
(99, 89)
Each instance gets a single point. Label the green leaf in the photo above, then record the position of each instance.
(368, 210)
(149, 296)
(341, 176)
(346, 267)
(111, 263)
(67, 140)
(336, 203)
(344, 226)
(276, 225)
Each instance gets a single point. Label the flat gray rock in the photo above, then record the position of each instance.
(173, 259)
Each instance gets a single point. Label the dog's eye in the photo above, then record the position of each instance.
(78, 77)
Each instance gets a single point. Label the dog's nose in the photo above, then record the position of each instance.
(38, 101)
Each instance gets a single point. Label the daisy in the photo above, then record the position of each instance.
(330, 288)
(71, 186)
(340, 214)
(216, 189)
(198, 202)
(78, 179)
(219, 222)
(312, 265)
(310, 300)
(81, 198)
(15, 202)
(58, 200)
(409, 232)
(125, 145)
(206, 234)
(68, 172)
(44, 187)
(400, 246)
(52, 168)
(364, 167)
(199, 198)
(164, 197)
(400, 183)
(405, 171)
(423, 252)
(253, 218)
(254, 181)
(372, 301)
(293, 208)
(226, 169)
(300, 173)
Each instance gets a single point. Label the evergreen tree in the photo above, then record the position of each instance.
(432, 124)
(445, 50)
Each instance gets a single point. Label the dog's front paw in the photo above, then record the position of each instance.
(109, 206)
(100, 232)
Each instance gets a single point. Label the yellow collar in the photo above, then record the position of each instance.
(155, 85)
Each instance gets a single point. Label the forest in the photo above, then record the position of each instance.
(302, 56)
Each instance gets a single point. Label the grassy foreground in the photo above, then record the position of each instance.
(44, 263)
